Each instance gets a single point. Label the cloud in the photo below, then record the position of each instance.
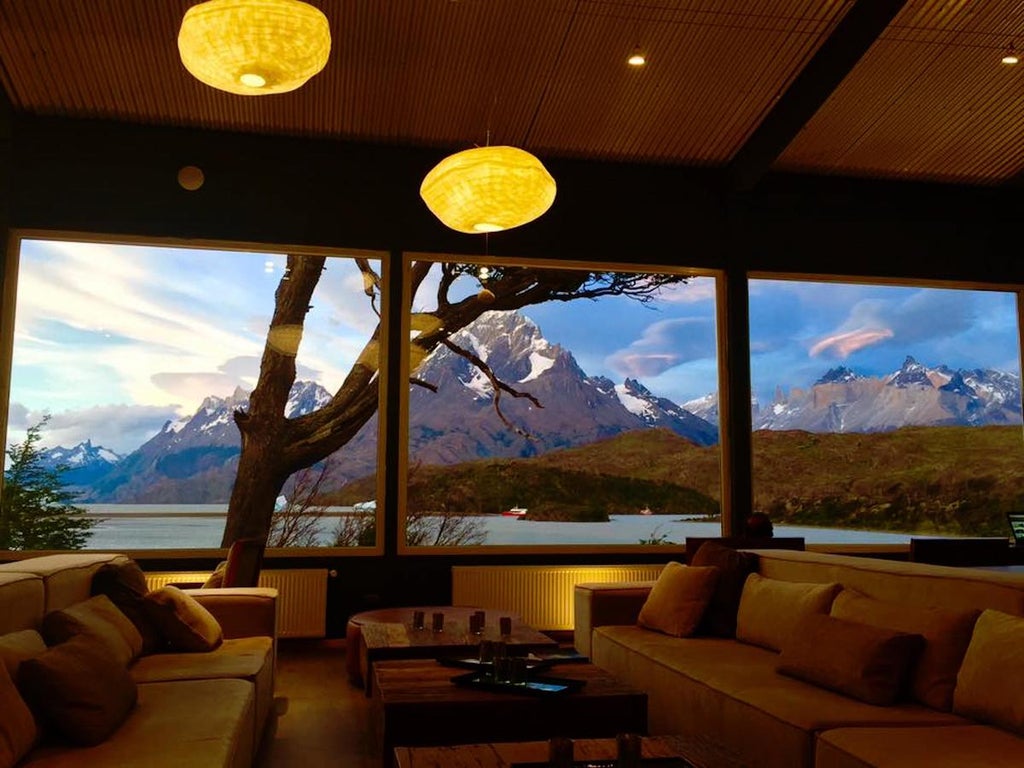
(695, 290)
(842, 345)
(664, 345)
(121, 428)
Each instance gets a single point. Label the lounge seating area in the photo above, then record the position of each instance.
(99, 671)
(806, 659)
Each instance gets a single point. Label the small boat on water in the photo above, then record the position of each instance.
(514, 512)
(646, 511)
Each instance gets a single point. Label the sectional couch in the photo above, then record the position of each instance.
(204, 709)
(732, 690)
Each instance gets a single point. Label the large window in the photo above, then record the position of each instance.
(559, 406)
(130, 367)
(883, 411)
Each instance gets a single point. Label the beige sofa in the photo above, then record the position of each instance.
(201, 710)
(731, 690)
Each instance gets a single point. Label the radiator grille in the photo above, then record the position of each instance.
(542, 595)
(301, 602)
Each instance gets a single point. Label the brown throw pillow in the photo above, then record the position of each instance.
(678, 599)
(100, 618)
(770, 609)
(988, 685)
(946, 635)
(868, 663)
(183, 622)
(15, 647)
(18, 732)
(720, 617)
(216, 579)
(78, 690)
(125, 585)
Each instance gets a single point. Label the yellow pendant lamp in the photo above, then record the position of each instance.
(488, 189)
(254, 47)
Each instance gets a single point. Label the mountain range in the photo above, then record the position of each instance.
(193, 460)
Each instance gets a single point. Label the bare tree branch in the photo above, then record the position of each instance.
(498, 385)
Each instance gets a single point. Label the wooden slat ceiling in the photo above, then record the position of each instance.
(929, 100)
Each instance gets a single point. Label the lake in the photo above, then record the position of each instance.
(199, 526)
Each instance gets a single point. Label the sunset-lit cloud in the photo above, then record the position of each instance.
(842, 345)
(664, 345)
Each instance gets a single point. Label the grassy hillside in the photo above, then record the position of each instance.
(919, 479)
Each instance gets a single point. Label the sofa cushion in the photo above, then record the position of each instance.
(78, 690)
(869, 663)
(952, 746)
(720, 617)
(946, 634)
(15, 647)
(99, 618)
(183, 622)
(17, 726)
(190, 723)
(67, 578)
(988, 687)
(703, 685)
(678, 599)
(125, 585)
(770, 609)
(23, 597)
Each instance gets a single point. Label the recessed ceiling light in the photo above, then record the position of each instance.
(636, 58)
(1010, 56)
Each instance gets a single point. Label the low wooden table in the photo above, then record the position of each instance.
(416, 704)
(396, 639)
(700, 753)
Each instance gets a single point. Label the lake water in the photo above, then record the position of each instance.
(190, 526)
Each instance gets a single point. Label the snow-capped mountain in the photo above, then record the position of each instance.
(458, 422)
(914, 395)
(84, 462)
(193, 459)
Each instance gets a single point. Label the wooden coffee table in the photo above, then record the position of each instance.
(396, 639)
(699, 753)
(416, 704)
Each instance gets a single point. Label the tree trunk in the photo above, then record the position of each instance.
(256, 488)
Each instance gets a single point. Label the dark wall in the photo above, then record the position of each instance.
(117, 179)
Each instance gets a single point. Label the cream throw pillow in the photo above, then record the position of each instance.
(184, 623)
(988, 687)
(946, 634)
(678, 599)
(770, 609)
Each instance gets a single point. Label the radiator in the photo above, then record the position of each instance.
(301, 601)
(542, 595)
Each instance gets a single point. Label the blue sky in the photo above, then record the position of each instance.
(113, 341)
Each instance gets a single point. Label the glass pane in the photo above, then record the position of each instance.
(130, 364)
(562, 407)
(885, 411)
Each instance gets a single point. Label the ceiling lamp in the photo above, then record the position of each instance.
(636, 58)
(254, 47)
(488, 189)
(1010, 56)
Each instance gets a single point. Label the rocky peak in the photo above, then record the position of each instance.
(910, 374)
(838, 375)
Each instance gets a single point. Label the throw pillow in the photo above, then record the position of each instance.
(15, 647)
(946, 634)
(185, 624)
(18, 732)
(125, 585)
(100, 618)
(868, 663)
(216, 579)
(988, 685)
(678, 599)
(734, 566)
(78, 689)
(770, 609)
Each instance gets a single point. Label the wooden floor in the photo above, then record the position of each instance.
(326, 721)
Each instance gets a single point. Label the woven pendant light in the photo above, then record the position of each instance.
(488, 189)
(254, 47)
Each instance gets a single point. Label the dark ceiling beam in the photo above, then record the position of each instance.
(832, 62)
